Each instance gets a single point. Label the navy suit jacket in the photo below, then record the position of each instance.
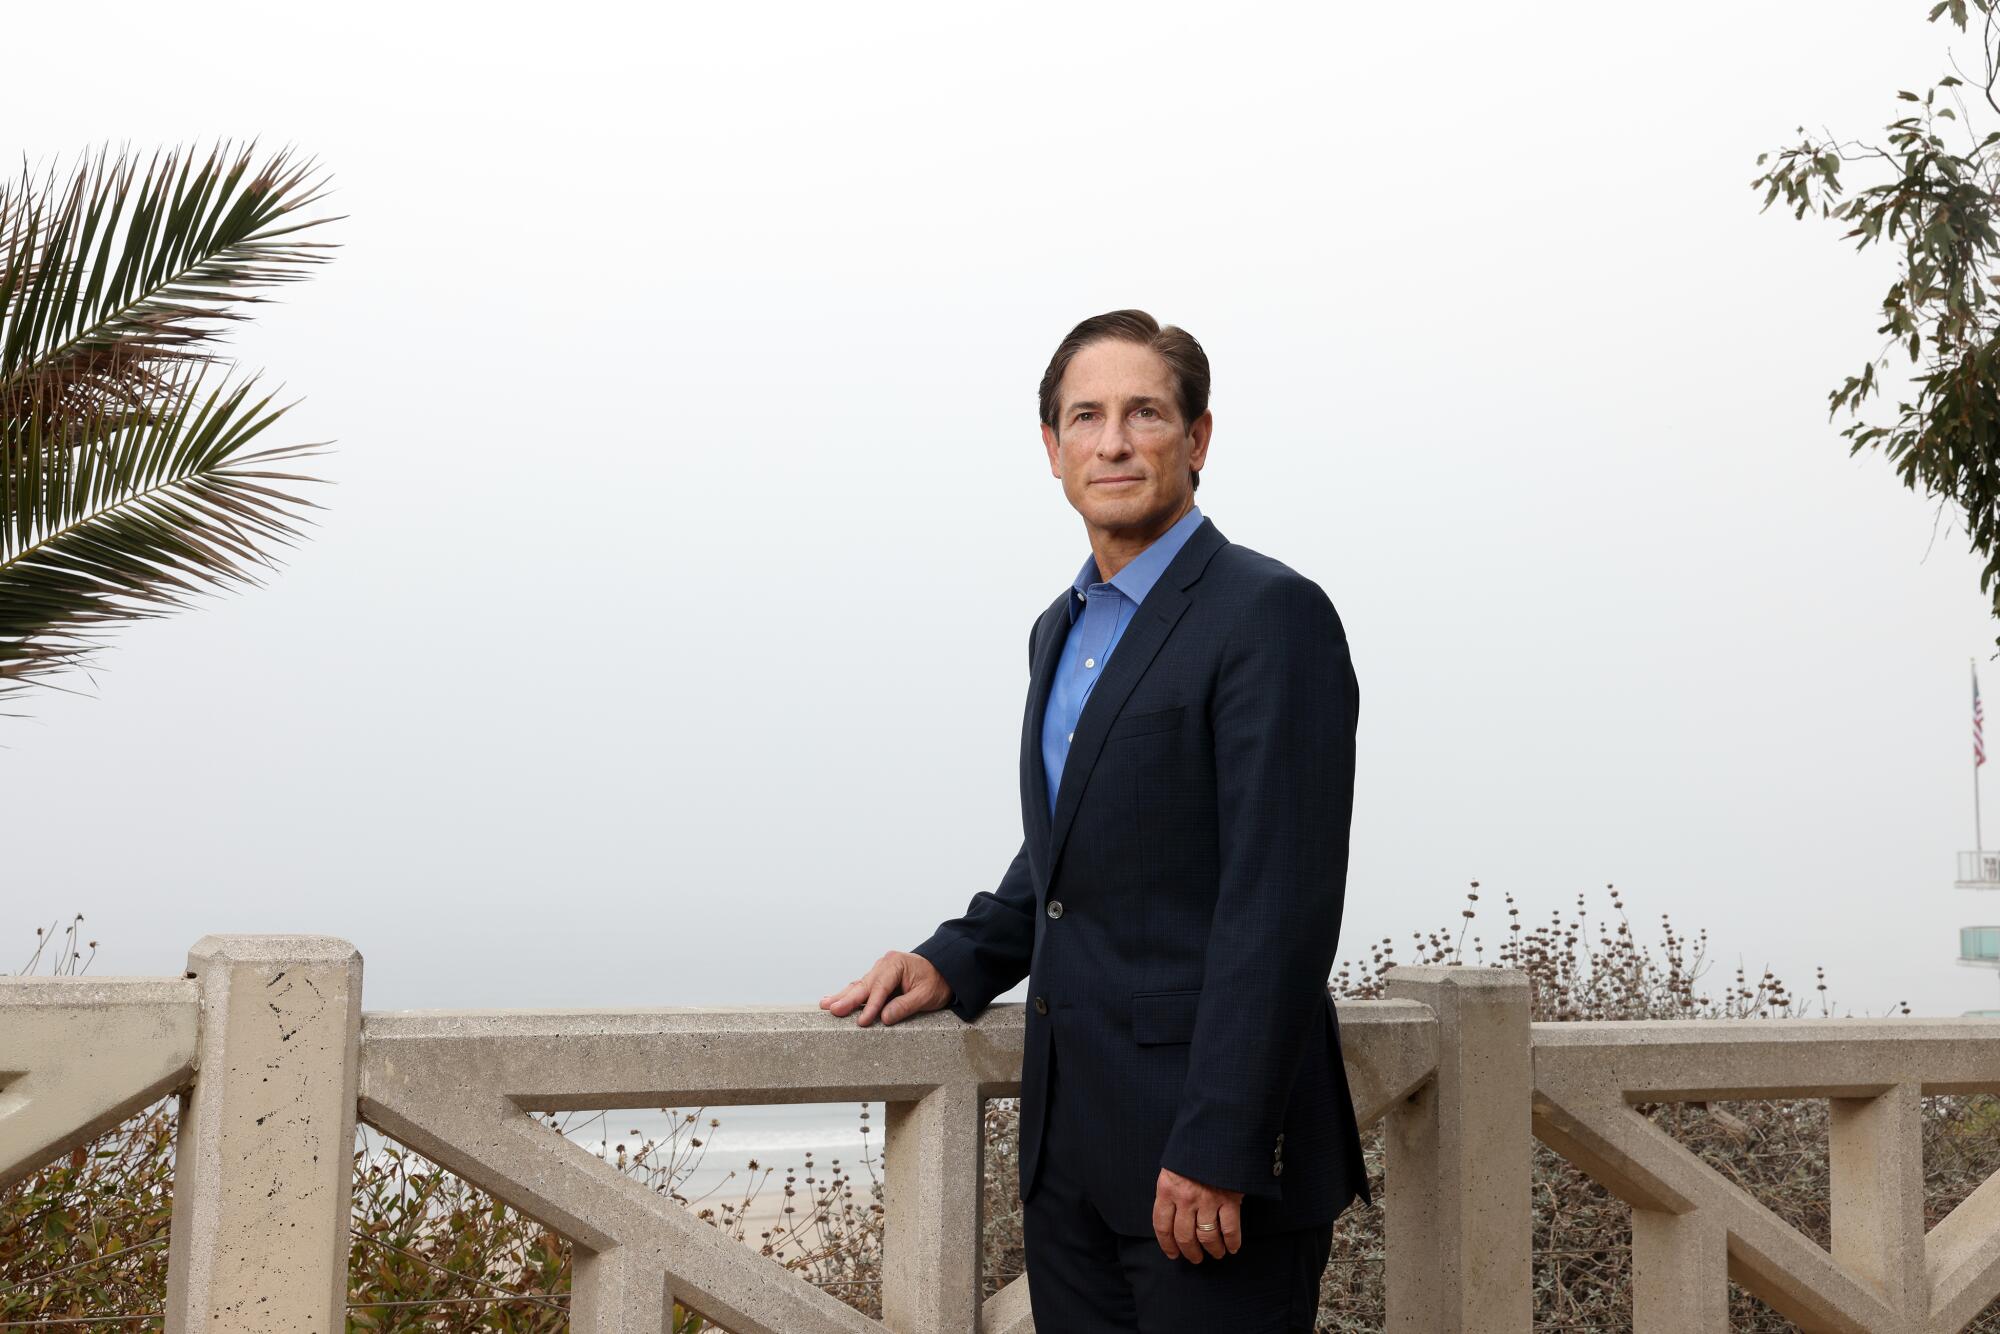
(1178, 916)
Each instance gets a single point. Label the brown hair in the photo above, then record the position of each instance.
(1177, 347)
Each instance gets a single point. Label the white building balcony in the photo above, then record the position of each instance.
(1979, 870)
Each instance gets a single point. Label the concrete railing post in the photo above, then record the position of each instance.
(1459, 1152)
(932, 1198)
(1875, 1151)
(1680, 1273)
(263, 1170)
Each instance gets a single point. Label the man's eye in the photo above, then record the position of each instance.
(1081, 415)
(1145, 411)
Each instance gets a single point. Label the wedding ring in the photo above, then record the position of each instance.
(1204, 1227)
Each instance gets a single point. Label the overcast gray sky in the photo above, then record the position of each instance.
(663, 638)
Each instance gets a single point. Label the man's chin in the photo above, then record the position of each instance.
(1134, 515)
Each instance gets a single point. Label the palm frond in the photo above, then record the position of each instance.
(126, 483)
(109, 282)
(152, 509)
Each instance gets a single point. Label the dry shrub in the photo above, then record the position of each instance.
(87, 1235)
(435, 1253)
(1777, 1150)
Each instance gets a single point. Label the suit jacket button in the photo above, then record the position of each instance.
(1277, 1169)
(1041, 1006)
(1055, 907)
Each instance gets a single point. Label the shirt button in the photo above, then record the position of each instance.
(1070, 737)
(1090, 662)
(1055, 907)
(1041, 1006)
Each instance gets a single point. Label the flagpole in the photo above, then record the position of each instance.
(1978, 839)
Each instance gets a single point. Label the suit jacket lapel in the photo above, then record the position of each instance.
(1136, 649)
(1034, 773)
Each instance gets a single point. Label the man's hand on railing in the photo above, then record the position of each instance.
(899, 985)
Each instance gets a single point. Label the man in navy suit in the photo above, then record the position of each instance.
(1187, 782)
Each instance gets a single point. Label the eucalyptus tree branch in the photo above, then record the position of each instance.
(1939, 210)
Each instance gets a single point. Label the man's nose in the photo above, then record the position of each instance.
(1112, 442)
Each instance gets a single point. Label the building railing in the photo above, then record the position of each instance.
(1979, 944)
(1978, 870)
(274, 1060)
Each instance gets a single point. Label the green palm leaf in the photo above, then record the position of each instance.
(138, 521)
(127, 486)
(108, 281)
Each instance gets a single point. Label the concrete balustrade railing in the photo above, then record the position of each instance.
(274, 1060)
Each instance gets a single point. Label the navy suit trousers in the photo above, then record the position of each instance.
(1084, 1278)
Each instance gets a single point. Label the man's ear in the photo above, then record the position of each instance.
(1200, 431)
(1049, 443)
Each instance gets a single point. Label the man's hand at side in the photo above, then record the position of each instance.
(899, 985)
(1180, 1202)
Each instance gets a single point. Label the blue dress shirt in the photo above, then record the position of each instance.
(1107, 607)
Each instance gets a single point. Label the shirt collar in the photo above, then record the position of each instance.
(1140, 573)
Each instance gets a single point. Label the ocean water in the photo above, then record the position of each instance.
(779, 1139)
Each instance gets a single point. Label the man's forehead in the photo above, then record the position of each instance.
(1121, 369)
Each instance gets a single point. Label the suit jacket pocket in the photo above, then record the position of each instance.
(1139, 724)
(1164, 1016)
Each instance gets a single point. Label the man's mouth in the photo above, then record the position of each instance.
(1113, 481)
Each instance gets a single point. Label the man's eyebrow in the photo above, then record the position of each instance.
(1137, 401)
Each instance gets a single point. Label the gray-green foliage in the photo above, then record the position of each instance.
(1929, 194)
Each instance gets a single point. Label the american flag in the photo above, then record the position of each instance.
(1978, 726)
